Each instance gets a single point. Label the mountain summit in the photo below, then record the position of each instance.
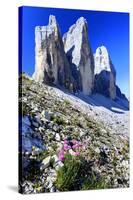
(51, 64)
(105, 74)
(78, 51)
(69, 62)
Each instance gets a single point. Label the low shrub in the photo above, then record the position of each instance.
(68, 176)
(59, 120)
(77, 174)
(95, 182)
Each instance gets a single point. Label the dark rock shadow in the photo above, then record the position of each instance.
(100, 96)
(98, 100)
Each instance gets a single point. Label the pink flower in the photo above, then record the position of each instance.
(76, 146)
(65, 141)
(80, 144)
(74, 141)
(61, 155)
(66, 147)
(76, 153)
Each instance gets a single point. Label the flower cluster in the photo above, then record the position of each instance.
(69, 146)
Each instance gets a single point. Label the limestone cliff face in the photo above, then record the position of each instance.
(69, 61)
(105, 74)
(51, 64)
(79, 54)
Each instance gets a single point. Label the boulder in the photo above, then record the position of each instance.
(28, 138)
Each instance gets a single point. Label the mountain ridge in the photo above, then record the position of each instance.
(68, 61)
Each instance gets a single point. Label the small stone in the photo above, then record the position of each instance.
(59, 165)
(82, 133)
(38, 120)
(56, 159)
(45, 163)
(57, 137)
(45, 114)
(36, 151)
(50, 185)
(103, 131)
(125, 163)
(35, 109)
(97, 150)
(27, 153)
(55, 128)
(27, 187)
(35, 124)
(50, 125)
(41, 129)
(52, 189)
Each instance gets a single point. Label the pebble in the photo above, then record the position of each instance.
(45, 163)
(57, 137)
(97, 150)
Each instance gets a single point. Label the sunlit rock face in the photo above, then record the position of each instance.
(69, 61)
(51, 64)
(105, 74)
(78, 51)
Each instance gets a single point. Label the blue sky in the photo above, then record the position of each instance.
(110, 29)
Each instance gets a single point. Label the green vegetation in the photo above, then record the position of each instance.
(76, 174)
(102, 162)
(59, 121)
(95, 183)
(68, 177)
(42, 155)
(24, 109)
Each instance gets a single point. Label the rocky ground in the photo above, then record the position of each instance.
(63, 137)
(113, 114)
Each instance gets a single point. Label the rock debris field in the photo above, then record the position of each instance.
(70, 141)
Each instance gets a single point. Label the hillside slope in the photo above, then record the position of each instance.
(50, 119)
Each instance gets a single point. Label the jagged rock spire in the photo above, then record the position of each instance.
(52, 20)
(51, 64)
(69, 61)
(105, 74)
(78, 51)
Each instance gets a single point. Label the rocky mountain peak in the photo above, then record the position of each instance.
(81, 21)
(103, 61)
(105, 74)
(78, 51)
(52, 20)
(69, 61)
(79, 30)
(51, 66)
